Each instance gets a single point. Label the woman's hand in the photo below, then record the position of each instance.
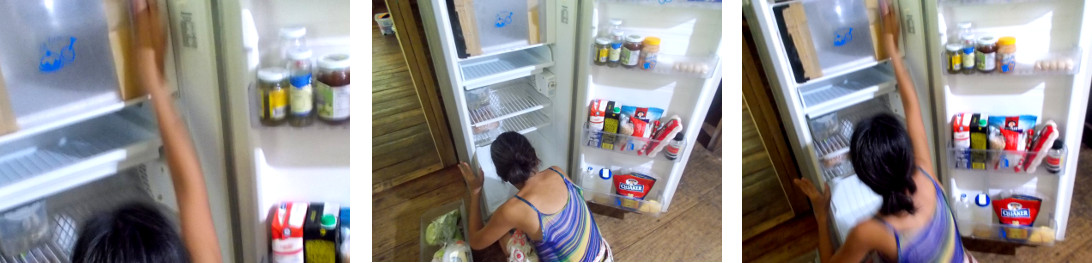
(149, 41)
(820, 201)
(890, 25)
(473, 180)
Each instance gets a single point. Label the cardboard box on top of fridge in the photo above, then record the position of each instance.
(121, 37)
(7, 116)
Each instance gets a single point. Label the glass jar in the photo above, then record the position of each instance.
(292, 37)
(631, 51)
(648, 53)
(1055, 158)
(271, 92)
(968, 55)
(301, 93)
(1006, 54)
(602, 50)
(985, 55)
(955, 58)
(333, 89)
(614, 58)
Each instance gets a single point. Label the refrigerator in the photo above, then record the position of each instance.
(821, 99)
(81, 149)
(527, 66)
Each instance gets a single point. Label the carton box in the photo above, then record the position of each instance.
(7, 116)
(121, 37)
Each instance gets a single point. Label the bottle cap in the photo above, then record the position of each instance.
(655, 41)
(329, 221)
(965, 25)
(982, 200)
(299, 54)
(617, 34)
(1058, 145)
(336, 61)
(634, 38)
(954, 47)
(987, 40)
(293, 32)
(1006, 41)
(678, 136)
(616, 21)
(602, 41)
(272, 74)
(617, 110)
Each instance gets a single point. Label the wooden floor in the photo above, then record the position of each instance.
(767, 205)
(402, 145)
(798, 238)
(690, 231)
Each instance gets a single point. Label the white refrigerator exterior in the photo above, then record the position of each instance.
(558, 69)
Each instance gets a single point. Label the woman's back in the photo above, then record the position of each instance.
(568, 233)
(931, 237)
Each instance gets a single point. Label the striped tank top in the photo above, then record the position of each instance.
(938, 241)
(571, 234)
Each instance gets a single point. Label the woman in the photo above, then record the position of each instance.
(139, 232)
(548, 207)
(915, 222)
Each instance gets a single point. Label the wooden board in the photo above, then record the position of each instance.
(467, 20)
(796, 21)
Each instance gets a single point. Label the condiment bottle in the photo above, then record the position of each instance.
(602, 50)
(674, 148)
(1006, 54)
(968, 54)
(631, 51)
(615, 57)
(985, 55)
(271, 92)
(301, 94)
(1055, 157)
(333, 89)
(955, 58)
(648, 53)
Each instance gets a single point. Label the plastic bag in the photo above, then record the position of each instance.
(443, 228)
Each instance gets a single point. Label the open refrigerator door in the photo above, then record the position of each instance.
(278, 165)
(84, 130)
(638, 114)
(1037, 90)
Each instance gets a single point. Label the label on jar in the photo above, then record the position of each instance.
(602, 55)
(333, 102)
(615, 52)
(275, 103)
(649, 61)
(985, 61)
(956, 62)
(301, 96)
(968, 58)
(629, 57)
(1008, 62)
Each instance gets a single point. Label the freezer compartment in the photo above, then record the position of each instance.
(489, 27)
(67, 212)
(837, 93)
(825, 37)
(428, 250)
(670, 66)
(1032, 63)
(50, 162)
(831, 135)
(997, 161)
(504, 101)
(619, 143)
(484, 71)
(484, 134)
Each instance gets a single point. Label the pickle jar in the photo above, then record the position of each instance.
(273, 94)
(332, 97)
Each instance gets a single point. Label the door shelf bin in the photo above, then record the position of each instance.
(994, 160)
(1028, 235)
(670, 65)
(1053, 63)
(503, 101)
(625, 144)
(648, 206)
(428, 250)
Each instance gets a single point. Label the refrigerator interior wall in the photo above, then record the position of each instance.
(1043, 30)
(691, 32)
(277, 164)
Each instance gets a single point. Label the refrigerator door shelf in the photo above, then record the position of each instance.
(623, 144)
(1052, 63)
(480, 72)
(997, 161)
(47, 163)
(834, 94)
(650, 205)
(1028, 235)
(670, 65)
(505, 101)
(523, 123)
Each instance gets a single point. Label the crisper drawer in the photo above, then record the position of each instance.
(825, 37)
(831, 135)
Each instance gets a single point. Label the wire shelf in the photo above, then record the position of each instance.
(523, 124)
(507, 101)
(478, 72)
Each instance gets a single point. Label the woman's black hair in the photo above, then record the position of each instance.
(135, 232)
(514, 157)
(883, 158)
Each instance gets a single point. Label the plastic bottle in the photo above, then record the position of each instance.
(963, 215)
(301, 93)
(1006, 54)
(675, 147)
(983, 210)
(1056, 157)
(614, 57)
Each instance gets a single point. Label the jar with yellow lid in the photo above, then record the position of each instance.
(1006, 54)
(650, 49)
